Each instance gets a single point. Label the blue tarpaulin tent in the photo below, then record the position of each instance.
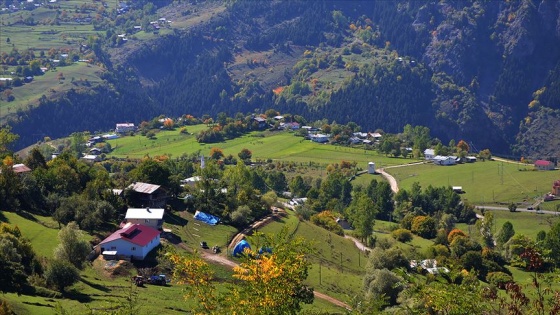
(206, 218)
(238, 249)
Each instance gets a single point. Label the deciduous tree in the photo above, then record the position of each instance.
(72, 247)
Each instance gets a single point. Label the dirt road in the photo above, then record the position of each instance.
(208, 255)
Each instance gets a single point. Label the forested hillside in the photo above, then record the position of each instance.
(483, 71)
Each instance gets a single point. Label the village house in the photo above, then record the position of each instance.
(429, 154)
(191, 181)
(319, 138)
(444, 160)
(543, 165)
(20, 168)
(260, 122)
(148, 195)
(133, 241)
(90, 158)
(145, 216)
(124, 127)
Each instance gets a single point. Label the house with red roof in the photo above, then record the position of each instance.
(133, 240)
(544, 165)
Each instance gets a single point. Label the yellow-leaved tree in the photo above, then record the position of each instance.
(269, 280)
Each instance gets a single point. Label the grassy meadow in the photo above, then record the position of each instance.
(278, 146)
(489, 182)
(337, 265)
(49, 85)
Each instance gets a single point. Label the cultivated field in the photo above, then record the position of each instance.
(490, 182)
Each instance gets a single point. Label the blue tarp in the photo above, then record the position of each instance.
(206, 218)
(238, 249)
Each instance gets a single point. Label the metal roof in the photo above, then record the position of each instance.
(144, 213)
(144, 188)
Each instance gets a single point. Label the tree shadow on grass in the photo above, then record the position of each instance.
(3, 217)
(278, 219)
(27, 215)
(175, 219)
(96, 286)
(77, 296)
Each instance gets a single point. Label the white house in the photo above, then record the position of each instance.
(145, 216)
(91, 158)
(124, 127)
(191, 181)
(429, 154)
(133, 240)
(320, 138)
(444, 160)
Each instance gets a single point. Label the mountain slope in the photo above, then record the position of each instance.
(469, 70)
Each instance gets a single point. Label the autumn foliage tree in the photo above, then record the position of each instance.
(216, 153)
(268, 283)
(463, 146)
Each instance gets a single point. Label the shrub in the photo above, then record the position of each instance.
(387, 258)
(402, 235)
(499, 279)
(327, 221)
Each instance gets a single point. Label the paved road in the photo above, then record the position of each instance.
(518, 210)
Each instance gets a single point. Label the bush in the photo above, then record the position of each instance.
(499, 279)
(387, 258)
(402, 235)
(327, 221)
(60, 274)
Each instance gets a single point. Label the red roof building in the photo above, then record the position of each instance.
(133, 240)
(544, 165)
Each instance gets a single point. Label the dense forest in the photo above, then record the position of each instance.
(461, 68)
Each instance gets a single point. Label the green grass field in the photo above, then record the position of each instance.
(49, 85)
(488, 182)
(337, 265)
(40, 231)
(282, 146)
(527, 223)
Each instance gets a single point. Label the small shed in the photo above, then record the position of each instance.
(371, 168)
(109, 255)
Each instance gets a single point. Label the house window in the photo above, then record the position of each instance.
(133, 248)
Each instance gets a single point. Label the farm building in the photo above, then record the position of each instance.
(371, 168)
(543, 165)
(320, 138)
(149, 195)
(20, 168)
(429, 154)
(444, 160)
(124, 127)
(191, 181)
(133, 241)
(145, 216)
